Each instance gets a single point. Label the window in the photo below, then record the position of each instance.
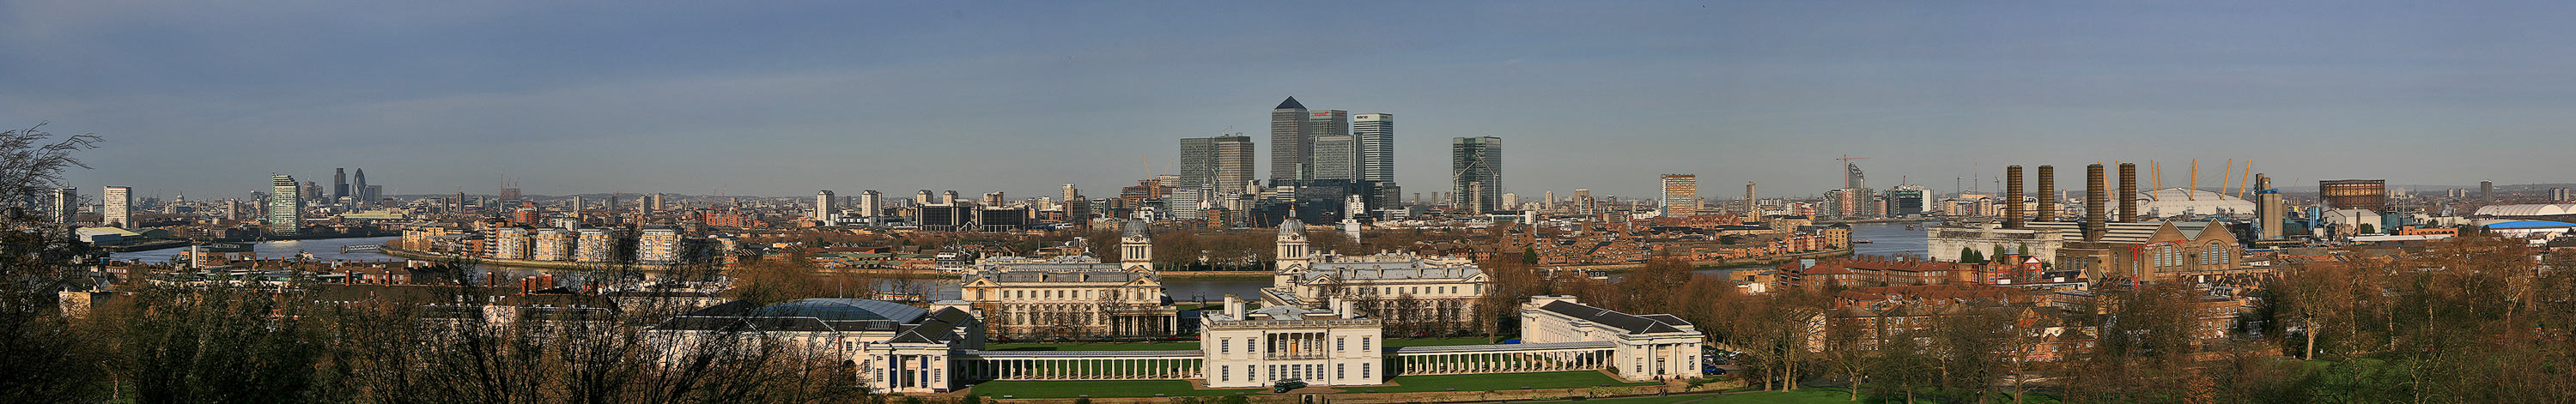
(1224, 373)
(1225, 345)
(1364, 343)
(1341, 344)
(1337, 371)
(1364, 370)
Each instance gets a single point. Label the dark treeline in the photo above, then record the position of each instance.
(2470, 320)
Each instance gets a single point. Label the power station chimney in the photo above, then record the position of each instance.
(2096, 194)
(2128, 192)
(2047, 193)
(2012, 197)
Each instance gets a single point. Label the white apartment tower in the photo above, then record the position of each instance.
(1681, 195)
(119, 207)
(825, 205)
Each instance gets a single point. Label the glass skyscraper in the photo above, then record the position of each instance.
(1476, 173)
(285, 205)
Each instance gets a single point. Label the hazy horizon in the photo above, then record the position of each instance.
(783, 99)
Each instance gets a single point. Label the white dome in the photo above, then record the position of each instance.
(2527, 210)
(2170, 202)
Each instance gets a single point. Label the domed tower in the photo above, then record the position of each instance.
(1292, 254)
(1136, 248)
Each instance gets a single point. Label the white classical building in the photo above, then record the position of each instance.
(1400, 288)
(893, 347)
(1644, 347)
(1073, 296)
(903, 349)
(1255, 348)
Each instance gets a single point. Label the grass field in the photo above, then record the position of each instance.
(1499, 381)
(1095, 346)
(1097, 388)
(1804, 396)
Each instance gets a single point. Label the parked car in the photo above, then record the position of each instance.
(1285, 385)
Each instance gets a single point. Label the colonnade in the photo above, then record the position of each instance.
(1452, 363)
(1077, 368)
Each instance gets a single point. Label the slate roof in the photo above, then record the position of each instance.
(943, 326)
(815, 315)
(1095, 273)
(1633, 324)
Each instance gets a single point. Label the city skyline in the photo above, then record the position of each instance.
(681, 100)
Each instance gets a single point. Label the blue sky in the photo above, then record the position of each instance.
(784, 98)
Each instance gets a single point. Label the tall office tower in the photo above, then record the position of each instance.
(312, 190)
(456, 204)
(1752, 208)
(1511, 201)
(1582, 200)
(577, 204)
(994, 199)
(1476, 170)
(656, 203)
(1287, 139)
(285, 205)
(119, 206)
(1335, 157)
(871, 204)
(1070, 193)
(2486, 189)
(1851, 176)
(1224, 161)
(1320, 124)
(825, 204)
(926, 198)
(358, 186)
(1549, 203)
(1681, 195)
(66, 205)
(1376, 134)
(339, 183)
(950, 198)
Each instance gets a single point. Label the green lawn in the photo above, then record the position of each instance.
(1805, 396)
(1794, 396)
(1497, 381)
(1095, 346)
(1097, 388)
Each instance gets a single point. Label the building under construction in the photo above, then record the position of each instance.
(2355, 194)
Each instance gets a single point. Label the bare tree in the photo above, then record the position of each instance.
(41, 350)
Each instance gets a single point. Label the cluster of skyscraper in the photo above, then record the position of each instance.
(342, 190)
(1340, 161)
